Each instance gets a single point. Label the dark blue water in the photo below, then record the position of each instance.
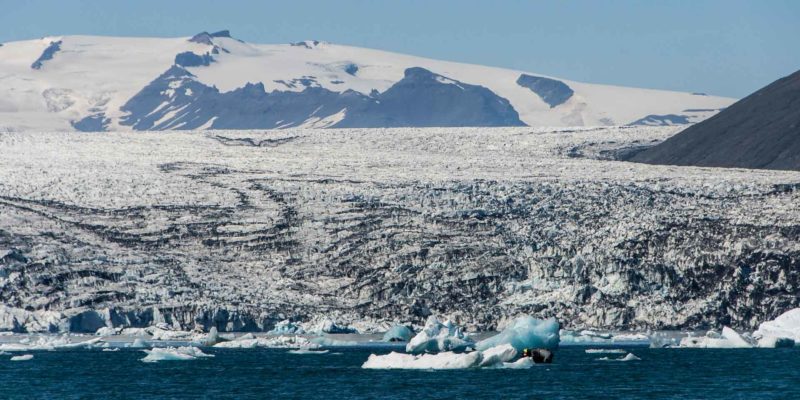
(276, 374)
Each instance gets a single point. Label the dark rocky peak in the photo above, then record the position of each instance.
(203, 38)
(309, 44)
(551, 91)
(190, 59)
(47, 54)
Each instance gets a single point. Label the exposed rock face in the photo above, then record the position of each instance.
(241, 230)
(551, 91)
(760, 131)
(47, 54)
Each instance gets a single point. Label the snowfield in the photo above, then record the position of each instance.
(244, 229)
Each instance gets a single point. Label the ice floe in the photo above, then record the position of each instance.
(628, 357)
(174, 354)
(48, 343)
(605, 351)
(250, 342)
(501, 356)
(308, 351)
(438, 337)
(24, 357)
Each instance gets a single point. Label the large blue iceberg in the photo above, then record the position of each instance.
(525, 332)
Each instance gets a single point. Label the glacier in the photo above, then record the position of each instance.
(240, 230)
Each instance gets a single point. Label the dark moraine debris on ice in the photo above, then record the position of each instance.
(552, 91)
(658, 120)
(47, 54)
(760, 131)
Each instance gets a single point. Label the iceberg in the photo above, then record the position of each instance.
(328, 342)
(783, 331)
(605, 351)
(496, 357)
(24, 357)
(106, 331)
(280, 342)
(327, 325)
(286, 327)
(628, 357)
(398, 333)
(728, 339)
(308, 351)
(526, 332)
(174, 354)
(438, 337)
(48, 343)
(138, 343)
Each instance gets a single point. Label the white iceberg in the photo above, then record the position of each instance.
(398, 333)
(526, 332)
(174, 354)
(496, 357)
(281, 342)
(137, 343)
(437, 337)
(106, 331)
(327, 325)
(628, 357)
(330, 342)
(728, 339)
(308, 351)
(783, 331)
(24, 357)
(48, 343)
(605, 351)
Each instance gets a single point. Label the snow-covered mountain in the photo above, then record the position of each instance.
(92, 83)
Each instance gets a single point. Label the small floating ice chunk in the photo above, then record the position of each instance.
(174, 354)
(522, 363)
(308, 351)
(137, 343)
(437, 337)
(106, 331)
(526, 332)
(628, 357)
(605, 351)
(111, 349)
(398, 333)
(24, 357)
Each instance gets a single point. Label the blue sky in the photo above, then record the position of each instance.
(723, 47)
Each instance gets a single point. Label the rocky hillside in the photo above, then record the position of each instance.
(759, 131)
(241, 230)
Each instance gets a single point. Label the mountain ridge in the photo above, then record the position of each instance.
(83, 82)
